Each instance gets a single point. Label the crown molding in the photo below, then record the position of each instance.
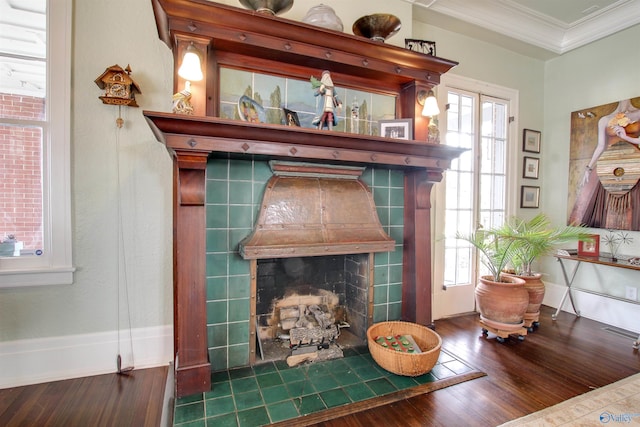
(512, 20)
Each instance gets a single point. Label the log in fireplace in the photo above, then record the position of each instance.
(237, 38)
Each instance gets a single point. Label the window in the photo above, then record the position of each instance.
(477, 186)
(35, 58)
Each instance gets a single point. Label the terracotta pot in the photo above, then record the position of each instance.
(502, 305)
(535, 286)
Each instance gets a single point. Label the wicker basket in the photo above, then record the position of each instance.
(400, 363)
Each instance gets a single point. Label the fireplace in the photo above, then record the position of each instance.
(196, 266)
(235, 38)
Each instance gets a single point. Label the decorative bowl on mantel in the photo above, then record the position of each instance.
(323, 16)
(268, 7)
(378, 27)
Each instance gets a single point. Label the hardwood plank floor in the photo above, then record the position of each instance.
(560, 360)
(133, 399)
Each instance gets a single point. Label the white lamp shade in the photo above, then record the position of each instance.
(430, 106)
(191, 68)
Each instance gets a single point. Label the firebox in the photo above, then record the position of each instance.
(312, 306)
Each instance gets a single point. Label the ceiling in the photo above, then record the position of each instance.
(539, 28)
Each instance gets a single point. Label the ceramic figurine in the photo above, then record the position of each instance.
(326, 115)
(181, 102)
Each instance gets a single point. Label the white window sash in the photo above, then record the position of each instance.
(55, 266)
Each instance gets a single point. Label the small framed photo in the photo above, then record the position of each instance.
(529, 197)
(397, 129)
(531, 141)
(530, 167)
(291, 117)
(589, 246)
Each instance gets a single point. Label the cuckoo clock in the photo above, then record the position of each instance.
(119, 87)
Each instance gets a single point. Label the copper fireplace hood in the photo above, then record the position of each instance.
(311, 210)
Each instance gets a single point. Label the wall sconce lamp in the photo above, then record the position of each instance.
(429, 102)
(190, 70)
(430, 109)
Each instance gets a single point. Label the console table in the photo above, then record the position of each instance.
(568, 280)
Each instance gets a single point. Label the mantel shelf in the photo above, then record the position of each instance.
(216, 135)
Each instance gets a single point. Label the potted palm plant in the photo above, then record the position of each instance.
(532, 239)
(501, 299)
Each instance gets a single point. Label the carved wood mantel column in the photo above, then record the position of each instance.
(193, 370)
(416, 263)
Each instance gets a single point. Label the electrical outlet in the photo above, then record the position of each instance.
(631, 293)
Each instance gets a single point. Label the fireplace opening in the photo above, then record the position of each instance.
(310, 308)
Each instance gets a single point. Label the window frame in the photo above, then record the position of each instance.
(55, 266)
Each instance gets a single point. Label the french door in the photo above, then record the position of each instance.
(476, 190)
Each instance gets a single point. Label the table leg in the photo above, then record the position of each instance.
(568, 282)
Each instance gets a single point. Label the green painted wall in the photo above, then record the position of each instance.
(603, 72)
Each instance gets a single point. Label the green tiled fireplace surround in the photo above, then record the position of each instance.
(234, 193)
(272, 392)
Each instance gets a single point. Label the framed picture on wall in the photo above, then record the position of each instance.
(396, 129)
(530, 167)
(589, 246)
(529, 196)
(531, 141)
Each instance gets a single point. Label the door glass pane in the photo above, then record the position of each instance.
(476, 183)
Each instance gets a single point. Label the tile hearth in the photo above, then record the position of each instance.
(272, 392)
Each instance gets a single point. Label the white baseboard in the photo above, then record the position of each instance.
(620, 314)
(41, 360)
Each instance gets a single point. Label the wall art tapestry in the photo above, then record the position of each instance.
(604, 166)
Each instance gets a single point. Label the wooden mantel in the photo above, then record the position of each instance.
(238, 38)
(199, 134)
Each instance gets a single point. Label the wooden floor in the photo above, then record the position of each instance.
(133, 399)
(560, 360)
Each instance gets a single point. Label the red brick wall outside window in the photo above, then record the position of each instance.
(21, 171)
